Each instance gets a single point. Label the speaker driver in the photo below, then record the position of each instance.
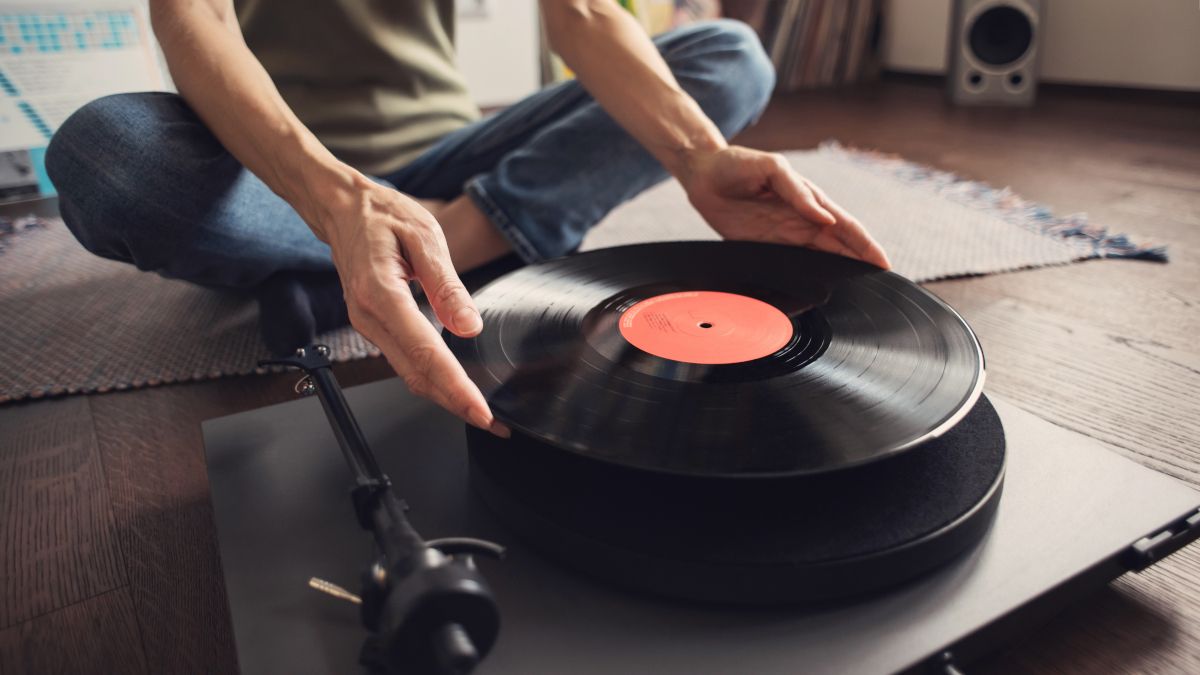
(1000, 35)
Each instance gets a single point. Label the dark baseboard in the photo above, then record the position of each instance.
(1178, 96)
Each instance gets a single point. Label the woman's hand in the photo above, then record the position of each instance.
(753, 195)
(382, 239)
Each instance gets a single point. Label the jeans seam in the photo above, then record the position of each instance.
(506, 225)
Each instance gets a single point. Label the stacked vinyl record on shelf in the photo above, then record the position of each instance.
(733, 421)
(815, 43)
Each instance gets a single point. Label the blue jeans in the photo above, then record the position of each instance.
(142, 180)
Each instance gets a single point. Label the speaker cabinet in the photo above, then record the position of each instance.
(993, 51)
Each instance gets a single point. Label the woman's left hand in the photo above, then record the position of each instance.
(753, 195)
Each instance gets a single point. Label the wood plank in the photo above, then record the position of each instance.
(156, 476)
(1135, 300)
(97, 635)
(155, 467)
(59, 543)
(1127, 389)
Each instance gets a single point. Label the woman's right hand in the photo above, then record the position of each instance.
(381, 239)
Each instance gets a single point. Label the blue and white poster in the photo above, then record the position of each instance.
(55, 57)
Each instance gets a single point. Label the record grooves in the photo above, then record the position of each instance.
(875, 364)
(733, 421)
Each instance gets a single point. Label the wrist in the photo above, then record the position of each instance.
(321, 188)
(694, 150)
(695, 162)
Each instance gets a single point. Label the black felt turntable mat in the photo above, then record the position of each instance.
(804, 519)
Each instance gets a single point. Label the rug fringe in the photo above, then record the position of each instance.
(1093, 240)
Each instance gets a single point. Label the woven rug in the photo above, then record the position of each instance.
(73, 322)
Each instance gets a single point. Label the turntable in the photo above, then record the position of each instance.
(727, 457)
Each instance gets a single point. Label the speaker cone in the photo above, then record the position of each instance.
(1000, 35)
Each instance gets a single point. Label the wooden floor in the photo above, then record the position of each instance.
(110, 563)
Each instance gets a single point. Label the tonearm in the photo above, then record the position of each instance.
(427, 607)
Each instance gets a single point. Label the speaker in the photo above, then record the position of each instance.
(993, 50)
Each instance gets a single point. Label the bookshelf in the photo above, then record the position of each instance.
(815, 43)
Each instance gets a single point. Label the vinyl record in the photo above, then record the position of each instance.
(721, 359)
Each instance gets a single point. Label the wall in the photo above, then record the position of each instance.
(1138, 43)
(498, 44)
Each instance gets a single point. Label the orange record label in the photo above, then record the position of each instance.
(707, 327)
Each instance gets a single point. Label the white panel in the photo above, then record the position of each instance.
(914, 38)
(1142, 43)
(56, 56)
(498, 49)
(1147, 43)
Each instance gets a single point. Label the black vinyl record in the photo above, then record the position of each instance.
(721, 359)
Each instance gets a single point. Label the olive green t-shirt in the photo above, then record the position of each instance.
(375, 80)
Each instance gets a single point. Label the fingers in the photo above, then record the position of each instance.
(798, 193)
(426, 251)
(851, 233)
(387, 239)
(841, 232)
(391, 319)
(826, 240)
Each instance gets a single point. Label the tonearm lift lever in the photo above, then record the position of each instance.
(426, 605)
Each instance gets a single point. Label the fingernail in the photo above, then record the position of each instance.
(482, 419)
(500, 429)
(467, 320)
